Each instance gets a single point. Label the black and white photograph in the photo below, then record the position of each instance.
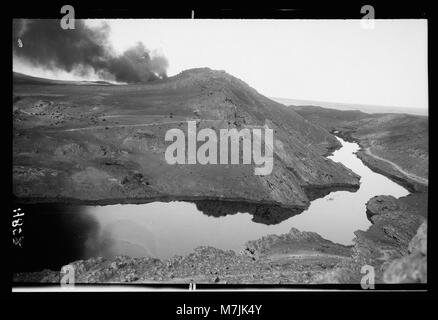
(219, 153)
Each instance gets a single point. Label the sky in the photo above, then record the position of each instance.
(320, 60)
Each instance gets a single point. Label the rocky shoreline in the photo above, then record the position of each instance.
(396, 226)
(394, 145)
(381, 167)
(395, 245)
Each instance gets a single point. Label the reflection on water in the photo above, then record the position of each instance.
(175, 228)
(339, 214)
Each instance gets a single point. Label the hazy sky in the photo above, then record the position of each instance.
(326, 60)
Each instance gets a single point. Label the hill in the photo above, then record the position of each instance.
(105, 144)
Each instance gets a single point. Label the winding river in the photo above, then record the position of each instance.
(57, 235)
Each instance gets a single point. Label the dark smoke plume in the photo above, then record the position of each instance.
(78, 50)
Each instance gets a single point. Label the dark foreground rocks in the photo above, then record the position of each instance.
(412, 267)
(390, 245)
(295, 243)
(296, 257)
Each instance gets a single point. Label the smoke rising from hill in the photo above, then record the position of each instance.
(83, 50)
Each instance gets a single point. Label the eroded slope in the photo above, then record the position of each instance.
(105, 143)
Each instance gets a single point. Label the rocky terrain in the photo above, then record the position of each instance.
(290, 258)
(395, 245)
(397, 225)
(395, 145)
(101, 143)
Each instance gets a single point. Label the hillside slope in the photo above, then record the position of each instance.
(105, 143)
(393, 144)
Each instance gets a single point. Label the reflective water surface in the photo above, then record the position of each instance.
(56, 235)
